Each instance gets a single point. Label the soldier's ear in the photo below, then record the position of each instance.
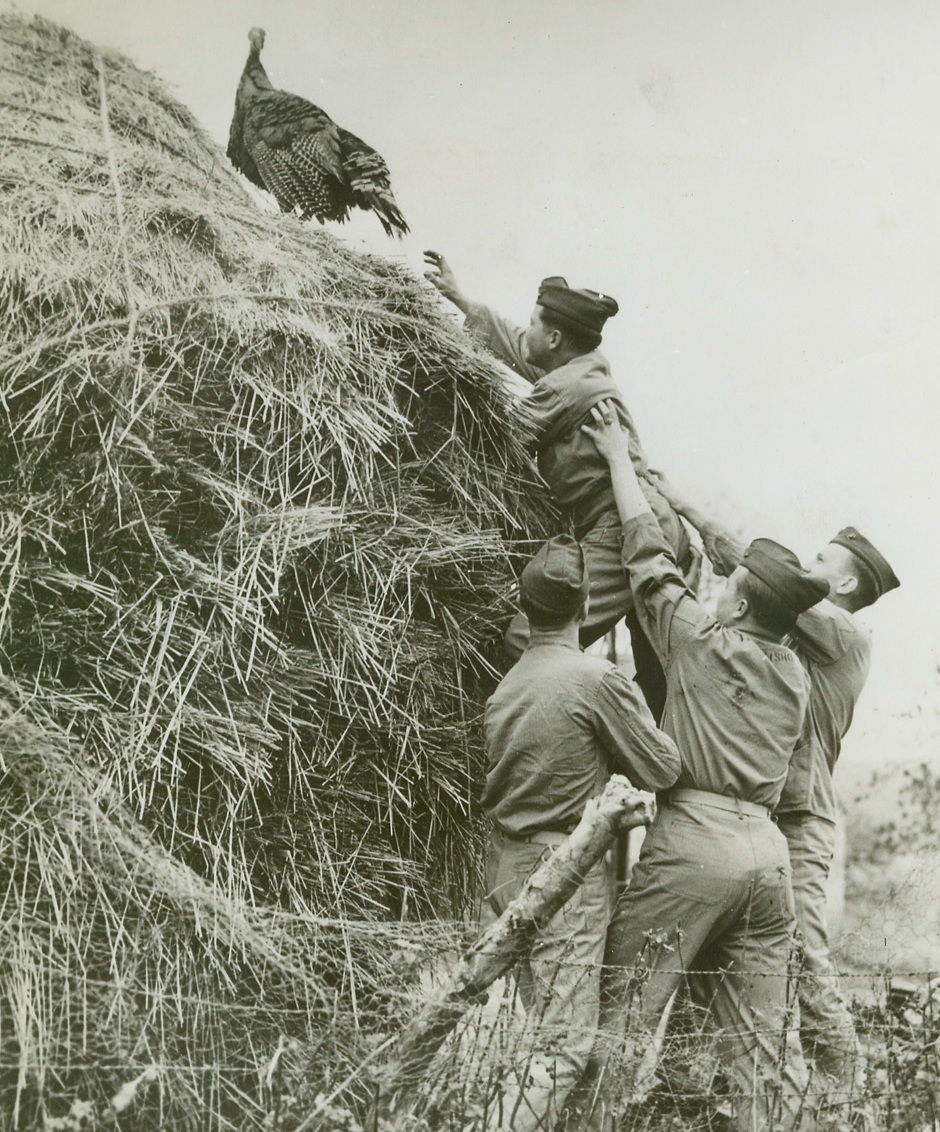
(847, 585)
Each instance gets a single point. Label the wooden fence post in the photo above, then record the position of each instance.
(503, 943)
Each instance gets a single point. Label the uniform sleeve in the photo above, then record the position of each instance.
(503, 337)
(826, 633)
(543, 413)
(668, 612)
(725, 552)
(626, 730)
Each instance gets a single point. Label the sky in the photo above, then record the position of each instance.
(757, 184)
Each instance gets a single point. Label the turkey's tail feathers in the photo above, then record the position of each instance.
(384, 207)
(370, 184)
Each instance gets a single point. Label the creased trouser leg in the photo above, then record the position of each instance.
(559, 985)
(827, 1029)
(711, 884)
(753, 1008)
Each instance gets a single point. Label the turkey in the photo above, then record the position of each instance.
(295, 150)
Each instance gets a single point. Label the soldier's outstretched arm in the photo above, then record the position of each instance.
(725, 551)
(443, 278)
(668, 611)
(499, 334)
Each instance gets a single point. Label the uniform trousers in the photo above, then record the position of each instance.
(558, 983)
(710, 892)
(611, 600)
(827, 1030)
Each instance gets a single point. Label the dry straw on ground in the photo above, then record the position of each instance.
(260, 501)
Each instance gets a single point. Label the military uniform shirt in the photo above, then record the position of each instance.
(735, 703)
(835, 649)
(557, 726)
(578, 477)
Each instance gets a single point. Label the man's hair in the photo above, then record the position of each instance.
(584, 341)
(544, 619)
(867, 591)
(765, 604)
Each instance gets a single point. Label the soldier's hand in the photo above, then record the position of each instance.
(667, 489)
(608, 434)
(640, 812)
(636, 807)
(442, 277)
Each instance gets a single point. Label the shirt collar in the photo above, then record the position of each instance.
(553, 638)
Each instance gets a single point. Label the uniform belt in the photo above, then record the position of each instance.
(717, 801)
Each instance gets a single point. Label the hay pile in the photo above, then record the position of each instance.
(260, 500)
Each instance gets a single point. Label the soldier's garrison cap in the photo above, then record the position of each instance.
(883, 576)
(580, 310)
(556, 579)
(780, 569)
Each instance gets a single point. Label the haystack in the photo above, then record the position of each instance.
(262, 504)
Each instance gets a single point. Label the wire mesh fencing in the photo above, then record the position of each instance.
(239, 1061)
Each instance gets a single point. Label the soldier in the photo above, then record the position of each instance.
(711, 889)
(835, 649)
(558, 354)
(556, 727)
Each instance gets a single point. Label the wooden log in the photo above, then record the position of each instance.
(504, 942)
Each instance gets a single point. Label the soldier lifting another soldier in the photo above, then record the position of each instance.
(558, 353)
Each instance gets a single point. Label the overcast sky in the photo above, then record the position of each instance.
(757, 183)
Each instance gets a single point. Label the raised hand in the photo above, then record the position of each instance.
(609, 436)
(442, 277)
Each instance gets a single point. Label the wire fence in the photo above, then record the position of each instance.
(290, 1074)
(81, 1045)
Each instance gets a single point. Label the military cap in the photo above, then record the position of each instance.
(582, 310)
(881, 573)
(556, 579)
(780, 569)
